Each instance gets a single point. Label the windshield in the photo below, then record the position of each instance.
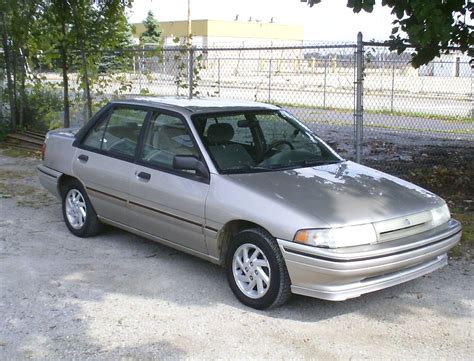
(251, 141)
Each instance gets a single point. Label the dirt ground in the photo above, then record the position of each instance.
(121, 296)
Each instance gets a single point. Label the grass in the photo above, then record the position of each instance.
(18, 152)
(466, 246)
(10, 190)
(13, 185)
(26, 195)
(396, 127)
(422, 115)
(385, 112)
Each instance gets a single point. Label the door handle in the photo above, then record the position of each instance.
(83, 157)
(145, 176)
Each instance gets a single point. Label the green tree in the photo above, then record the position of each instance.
(430, 27)
(98, 25)
(73, 33)
(17, 18)
(54, 40)
(152, 33)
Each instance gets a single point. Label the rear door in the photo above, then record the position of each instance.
(163, 201)
(104, 160)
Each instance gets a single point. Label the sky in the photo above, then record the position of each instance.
(329, 20)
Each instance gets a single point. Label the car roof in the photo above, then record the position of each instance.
(196, 105)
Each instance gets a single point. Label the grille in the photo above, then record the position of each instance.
(403, 227)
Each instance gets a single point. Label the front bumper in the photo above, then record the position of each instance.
(339, 274)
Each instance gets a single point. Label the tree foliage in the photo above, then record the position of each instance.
(67, 34)
(428, 27)
(152, 33)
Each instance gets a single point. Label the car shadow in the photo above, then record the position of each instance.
(65, 295)
(204, 284)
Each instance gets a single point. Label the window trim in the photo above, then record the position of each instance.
(105, 114)
(208, 115)
(218, 113)
(157, 167)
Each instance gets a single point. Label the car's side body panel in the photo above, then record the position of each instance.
(160, 240)
(169, 206)
(59, 153)
(49, 178)
(106, 182)
(275, 214)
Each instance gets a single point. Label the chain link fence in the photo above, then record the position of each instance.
(369, 103)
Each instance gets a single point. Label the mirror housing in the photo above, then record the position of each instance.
(190, 162)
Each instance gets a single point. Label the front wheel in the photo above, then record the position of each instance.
(256, 270)
(78, 213)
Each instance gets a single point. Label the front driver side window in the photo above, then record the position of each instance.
(166, 137)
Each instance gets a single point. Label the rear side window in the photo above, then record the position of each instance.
(94, 138)
(118, 133)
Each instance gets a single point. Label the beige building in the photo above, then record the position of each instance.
(211, 33)
(224, 66)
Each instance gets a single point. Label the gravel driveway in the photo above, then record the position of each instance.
(121, 296)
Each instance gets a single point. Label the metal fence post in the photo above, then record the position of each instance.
(325, 75)
(219, 76)
(359, 110)
(141, 58)
(393, 88)
(191, 72)
(270, 80)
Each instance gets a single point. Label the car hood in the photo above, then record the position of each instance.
(340, 194)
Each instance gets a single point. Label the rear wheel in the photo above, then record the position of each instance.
(256, 270)
(78, 212)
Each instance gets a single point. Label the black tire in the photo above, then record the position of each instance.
(278, 290)
(91, 226)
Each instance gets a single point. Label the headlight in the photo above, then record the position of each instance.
(440, 215)
(337, 237)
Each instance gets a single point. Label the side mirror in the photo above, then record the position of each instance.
(190, 162)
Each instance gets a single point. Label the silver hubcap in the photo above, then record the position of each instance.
(251, 270)
(76, 209)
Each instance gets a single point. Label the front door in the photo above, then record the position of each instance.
(163, 201)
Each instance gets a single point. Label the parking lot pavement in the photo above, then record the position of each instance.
(119, 295)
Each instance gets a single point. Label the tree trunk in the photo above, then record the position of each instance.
(22, 98)
(64, 66)
(14, 78)
(85, 71)
(86, 82)
(6, 52)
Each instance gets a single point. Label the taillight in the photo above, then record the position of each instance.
(43, 150)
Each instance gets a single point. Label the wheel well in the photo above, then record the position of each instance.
(228, 232)
(62, 181)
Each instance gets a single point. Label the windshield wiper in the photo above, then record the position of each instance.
(249, 168)
(258, 167)
(307, 163)
(304, 163)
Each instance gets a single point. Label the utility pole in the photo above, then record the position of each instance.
(189, 21)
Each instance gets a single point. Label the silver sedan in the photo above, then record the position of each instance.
(248, 186)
